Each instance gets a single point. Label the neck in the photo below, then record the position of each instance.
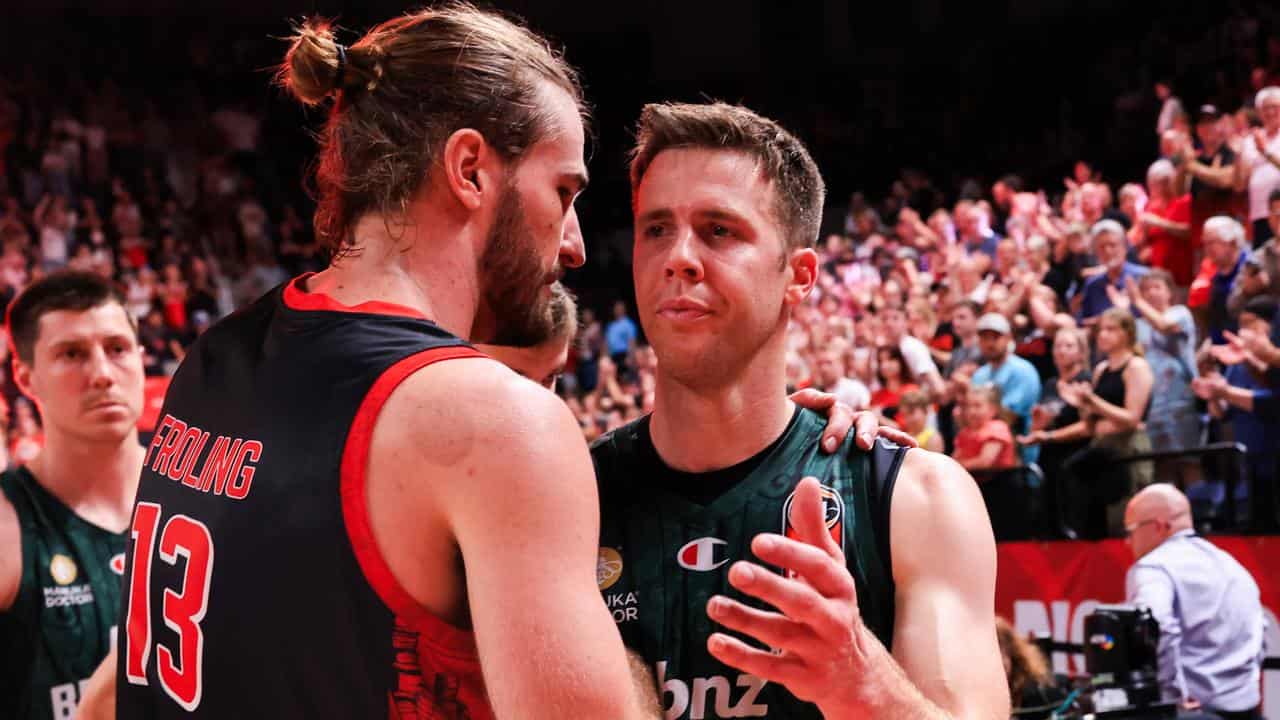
(98, 480)
(697, 429)
(969, 339)
(1118, 357)
(436, 275)
(1115, 272)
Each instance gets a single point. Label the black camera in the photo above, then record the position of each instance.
(1120, 655)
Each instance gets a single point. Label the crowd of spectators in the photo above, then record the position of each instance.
(1062, 327)
(1007, 325)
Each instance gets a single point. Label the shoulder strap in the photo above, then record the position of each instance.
(885, 459)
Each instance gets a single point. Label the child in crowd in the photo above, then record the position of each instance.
(985, 441)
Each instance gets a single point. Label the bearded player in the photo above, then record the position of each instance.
(866, 592)
(347, 511)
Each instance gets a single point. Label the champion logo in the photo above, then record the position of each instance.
(117, 564)
(703, 554)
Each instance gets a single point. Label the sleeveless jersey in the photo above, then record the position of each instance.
(662, 557)
(62, 622)
(254, 587)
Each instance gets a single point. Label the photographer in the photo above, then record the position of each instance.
(1207, 606)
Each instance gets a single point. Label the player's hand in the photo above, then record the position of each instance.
(824, 653)
(841, 418)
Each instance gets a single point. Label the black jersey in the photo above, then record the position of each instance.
(254, 587)
(664, 554)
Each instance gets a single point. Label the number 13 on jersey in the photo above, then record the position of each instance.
(179, 668)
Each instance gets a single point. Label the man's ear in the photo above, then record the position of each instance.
(803, 263)
(22, 376)
(467, 164)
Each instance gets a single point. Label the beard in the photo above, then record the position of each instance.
(513, 279)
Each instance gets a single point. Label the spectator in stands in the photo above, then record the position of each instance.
(911, 350)
(913, 416)
(620, 335)
(1112, 411)
(1225, 245)
(894, 379)
(1163, 230)
(1237, 397)
(1167, 334)
(1212, 173)
(1260, 162)
(1170, 107)
(964, 323)
(985, 442)
(1071, 360)
(1207, 606)
(832, 377)
(1261, 272)
(1015, 378)
(1112, 249)
(974, 229)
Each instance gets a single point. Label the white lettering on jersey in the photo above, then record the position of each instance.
(695, 700)
(65, 697)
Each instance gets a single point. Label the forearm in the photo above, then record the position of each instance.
(1239, 397)
(1155, 317)
(1219, 177)
(1116, 414)
(892, 696)
(1074, 431)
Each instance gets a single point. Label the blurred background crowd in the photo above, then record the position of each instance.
(1080, 299)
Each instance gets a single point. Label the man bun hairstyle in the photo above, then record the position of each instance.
(402, 89)
(783, 160)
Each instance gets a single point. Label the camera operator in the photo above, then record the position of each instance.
(1208, 607)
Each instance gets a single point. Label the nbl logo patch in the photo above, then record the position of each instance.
(117, 564)
(833, 513)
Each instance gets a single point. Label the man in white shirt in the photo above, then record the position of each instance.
(1260, 162)
(914, 351)
(832, 377)
(1208, 607)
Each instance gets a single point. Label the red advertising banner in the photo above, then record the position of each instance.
(1050, 588)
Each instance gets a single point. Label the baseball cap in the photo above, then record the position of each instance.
(1208, 112)
(994, 322)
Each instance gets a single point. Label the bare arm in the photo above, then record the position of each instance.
(98, 698)
(1137, 392)
(1219, 176)
(481, 444)
(944, 637)
(10, 554)
(986, 458)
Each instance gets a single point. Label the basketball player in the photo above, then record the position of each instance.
(347, 511)
(866, 592)
(63, 516)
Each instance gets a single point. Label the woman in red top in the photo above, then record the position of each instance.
(891, 370)
(986, 441)
(1163, 231)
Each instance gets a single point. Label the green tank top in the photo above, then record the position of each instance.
(62, 622)
(662, 556)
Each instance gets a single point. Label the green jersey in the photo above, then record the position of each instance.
(62, 622)
(663, 553)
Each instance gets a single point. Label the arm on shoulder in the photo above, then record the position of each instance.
(10, 555)
(518, 496)
(945, 636)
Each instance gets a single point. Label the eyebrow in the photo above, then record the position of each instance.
(652, 215)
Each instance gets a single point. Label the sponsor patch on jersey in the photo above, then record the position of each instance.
(608, 567)
(63, 569)
(703, 554)
(117, 564)
(833, 510)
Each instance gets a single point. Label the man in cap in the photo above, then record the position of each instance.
(1017, 378)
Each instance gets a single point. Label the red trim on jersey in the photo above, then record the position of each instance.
(439, 635)
(297, 297)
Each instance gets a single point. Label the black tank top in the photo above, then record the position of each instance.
(1110, 385)
(254, 587)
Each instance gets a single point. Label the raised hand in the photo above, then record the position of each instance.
(823, 652)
